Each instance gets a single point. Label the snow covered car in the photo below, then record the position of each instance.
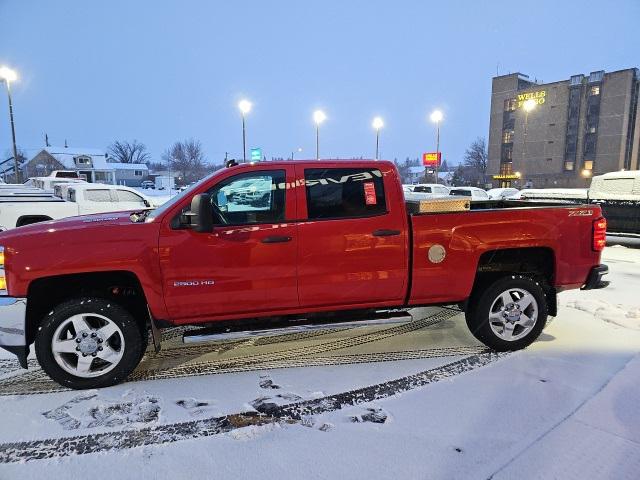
(83, 198)
(474, 192)
(502, 193)
(424, 191)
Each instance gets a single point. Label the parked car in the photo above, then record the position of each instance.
(474, 192)
(502, 193)
(148, 184)
(618, 194)
(334, 236)
(424, 191)
(83, 198)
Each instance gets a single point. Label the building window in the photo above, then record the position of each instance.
(588, 164)
(507, 153)
(552, 124)
(568, 166)
(510, 105)
(549, 159)
(83, 161)
(506, 168)
(138, 173)
(507, 136)
(595, 90)
(550, 141)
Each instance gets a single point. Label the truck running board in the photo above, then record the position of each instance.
(373, 319)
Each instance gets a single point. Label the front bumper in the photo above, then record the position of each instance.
(13, 338)
(594, 280)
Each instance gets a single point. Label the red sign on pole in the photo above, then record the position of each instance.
(431, 159)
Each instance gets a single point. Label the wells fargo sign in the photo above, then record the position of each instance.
(538, 97)
(506, 176)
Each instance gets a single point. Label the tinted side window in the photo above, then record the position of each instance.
(251, 197)
(344, 192)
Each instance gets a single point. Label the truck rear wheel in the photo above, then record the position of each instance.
(508, 314)
(89, 342)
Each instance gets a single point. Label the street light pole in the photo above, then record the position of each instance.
(377, 125)
(8, 76)
(436, 117)
(245, 107)
(318, 118)
(528, 106)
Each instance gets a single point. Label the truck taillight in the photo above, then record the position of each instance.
(599, 234)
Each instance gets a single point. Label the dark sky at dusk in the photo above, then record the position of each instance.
(161, 71)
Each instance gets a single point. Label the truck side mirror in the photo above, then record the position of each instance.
(201, 213)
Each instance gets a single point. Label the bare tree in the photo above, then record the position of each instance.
(187, 159)
(475, 158)
(129, 152)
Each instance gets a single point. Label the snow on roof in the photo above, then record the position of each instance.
(99, 159)
(129, 166)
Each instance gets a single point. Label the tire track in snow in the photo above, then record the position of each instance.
(36, 381)
(291, 413)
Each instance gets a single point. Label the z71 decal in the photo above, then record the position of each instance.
(580, 213)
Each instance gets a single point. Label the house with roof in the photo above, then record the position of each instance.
(91, 164)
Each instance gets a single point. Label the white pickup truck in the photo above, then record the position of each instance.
(25, 208)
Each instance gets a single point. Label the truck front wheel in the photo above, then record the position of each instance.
(89, 342)
(508, 314)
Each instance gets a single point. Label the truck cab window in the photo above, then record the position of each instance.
(251, 197)
(97, 196)
(344, 192)
(127, 196)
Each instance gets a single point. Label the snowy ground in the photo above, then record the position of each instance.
(418, 401)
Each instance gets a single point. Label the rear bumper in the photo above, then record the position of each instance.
(594, 280)
(13, 312)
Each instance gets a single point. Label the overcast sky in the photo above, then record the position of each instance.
(161, 71)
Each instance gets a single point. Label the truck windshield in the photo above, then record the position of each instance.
(176, 199)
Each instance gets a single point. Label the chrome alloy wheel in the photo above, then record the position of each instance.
(513, 314)
(87, 345)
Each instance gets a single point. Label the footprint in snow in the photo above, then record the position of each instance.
(372, 415)
(194, 407)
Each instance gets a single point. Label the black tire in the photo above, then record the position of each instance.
(479, 308)
(131, 333)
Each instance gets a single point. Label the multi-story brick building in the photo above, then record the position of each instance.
(560, 134)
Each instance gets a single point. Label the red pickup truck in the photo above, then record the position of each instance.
(275, 242)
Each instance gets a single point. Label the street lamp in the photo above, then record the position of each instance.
(527, 106)
(377, 124)
(245, 107)
(436, 117)
(318, 118)
(9, 76)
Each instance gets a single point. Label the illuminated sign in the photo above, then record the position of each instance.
(538, 97)
(256, 154)
(431, 159)
(510, 176)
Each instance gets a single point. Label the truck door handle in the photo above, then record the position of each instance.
(276, 239)
(386, 233)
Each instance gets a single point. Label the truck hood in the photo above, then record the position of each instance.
(85, 244)
(70, 223)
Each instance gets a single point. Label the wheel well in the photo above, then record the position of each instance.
(30, 219)
(535, 262)
(121, 286)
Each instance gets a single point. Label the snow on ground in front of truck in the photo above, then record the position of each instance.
(567, 407)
